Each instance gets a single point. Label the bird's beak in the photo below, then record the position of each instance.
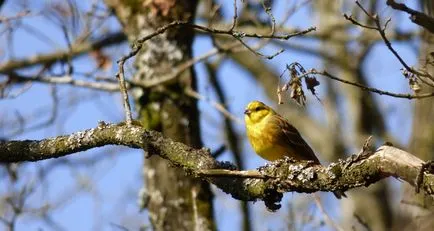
(247, 112)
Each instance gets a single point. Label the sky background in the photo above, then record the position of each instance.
(101, 191)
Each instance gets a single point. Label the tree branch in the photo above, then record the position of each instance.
(76, 50)
(370, 89)
(382, 31)
(267, 183)
(416, 17)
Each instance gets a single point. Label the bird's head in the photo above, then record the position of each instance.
(256, 111)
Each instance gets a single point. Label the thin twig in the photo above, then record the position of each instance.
(109, 84)
(328, 220)
(267, 9)
(235, 17)
(381, 30)
(67, 79)
(139, 43)
(236, 34)
(216, 105)
(258, 53)
(77, 50)
(231, 173)
(123, 88)
(371, 89)
(217, 152)
(355, 22)
(232, 139)
(19, 15)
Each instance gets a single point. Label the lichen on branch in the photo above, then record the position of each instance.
(267, 183)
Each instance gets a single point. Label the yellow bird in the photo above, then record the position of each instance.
(273, 137)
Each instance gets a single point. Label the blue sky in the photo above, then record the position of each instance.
(111, 179)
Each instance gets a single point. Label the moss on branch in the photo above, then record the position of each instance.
(278, 177)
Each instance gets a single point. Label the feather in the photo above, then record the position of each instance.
(291, 138)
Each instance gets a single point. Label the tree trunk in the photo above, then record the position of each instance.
(175, 201)
(418, 208)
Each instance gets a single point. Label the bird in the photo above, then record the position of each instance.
(272, 137)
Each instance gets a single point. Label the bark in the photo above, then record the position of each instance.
(176, 201)
(233, 140)
(422, 142)
(267, 183)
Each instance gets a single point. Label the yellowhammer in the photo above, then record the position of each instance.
(273, 137)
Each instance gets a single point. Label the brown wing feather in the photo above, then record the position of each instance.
(295, 142)
(293, 139)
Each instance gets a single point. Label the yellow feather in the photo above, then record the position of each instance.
(268, 137)
(272, 137)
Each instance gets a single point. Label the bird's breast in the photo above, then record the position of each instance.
(264, 142)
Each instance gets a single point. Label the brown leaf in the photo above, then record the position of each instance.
(311, 83)
(297, 92)
(414, 85)
(412, 80)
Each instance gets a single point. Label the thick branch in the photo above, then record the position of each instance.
(417, 17)
(277, 177)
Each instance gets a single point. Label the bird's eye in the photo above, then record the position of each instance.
(258, 108)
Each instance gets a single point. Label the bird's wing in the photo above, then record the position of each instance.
(292, 137)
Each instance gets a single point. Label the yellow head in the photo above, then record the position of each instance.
(256, 111)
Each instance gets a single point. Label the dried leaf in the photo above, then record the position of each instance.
(294, 84)
(414, 85)
(412, 80)
(297, 92)
(311, 83)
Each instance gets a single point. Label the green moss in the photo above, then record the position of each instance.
(336, 170)
(150, 117)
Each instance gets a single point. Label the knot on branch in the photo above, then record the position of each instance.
(427, 167)
(272, 199)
